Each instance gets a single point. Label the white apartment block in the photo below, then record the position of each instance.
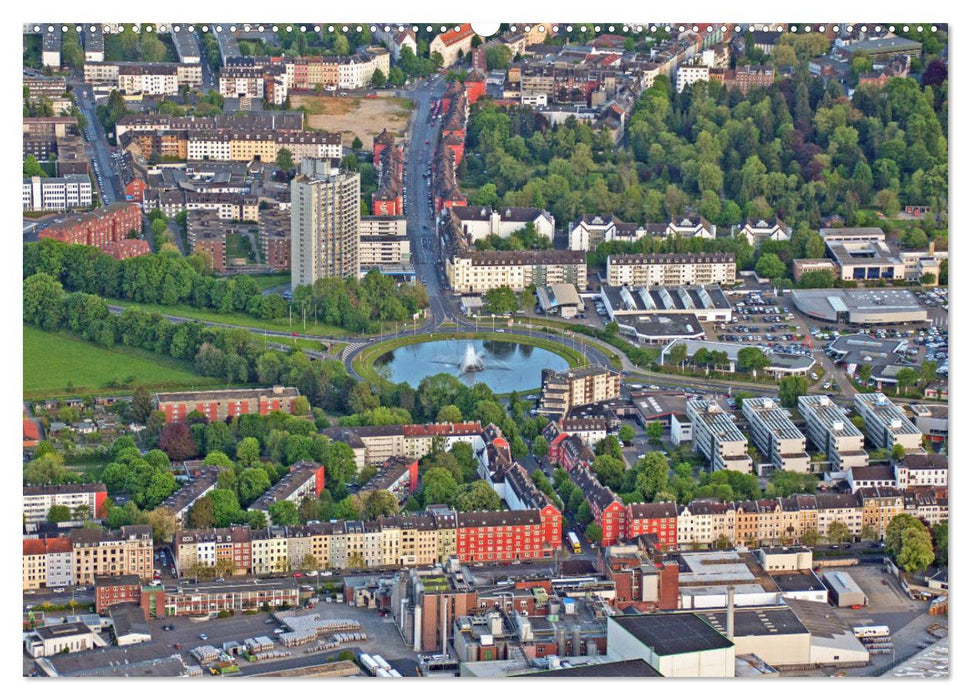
(479, 222)
(775, 435)
(689, 75)
(57, 193)
(716, 436)
(885, 423)
(831, 430)
(590, 231)
(477, 272)
(670, 269)
(38, 500)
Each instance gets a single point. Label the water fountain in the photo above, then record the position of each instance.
(472, 361)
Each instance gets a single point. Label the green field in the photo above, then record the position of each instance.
(58, 364)
(237, 319)
(267, 281)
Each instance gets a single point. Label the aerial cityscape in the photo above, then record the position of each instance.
(412, 350)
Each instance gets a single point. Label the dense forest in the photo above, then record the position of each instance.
(798, 149)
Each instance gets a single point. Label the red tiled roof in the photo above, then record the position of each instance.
(34, 547)
(30, 430)
(451, 36)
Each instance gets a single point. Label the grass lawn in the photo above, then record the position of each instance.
(237, 319)
(267, 281)
(53, 360)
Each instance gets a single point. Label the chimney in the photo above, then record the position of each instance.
(731, 613)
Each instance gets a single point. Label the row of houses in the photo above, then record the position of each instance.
(589, 231)
(86, 553)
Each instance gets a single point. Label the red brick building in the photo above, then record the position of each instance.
(218, 405)
(608, 510)
(97, 228)
(639, 581)
(506, 536)
(215, 247)
(381, 141)
(113, 590)
(660, 519)
(129, 248)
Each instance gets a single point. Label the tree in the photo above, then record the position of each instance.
(893, 535)
(609, 471)
(906, 378)
(308, 562)
(652, 474)
(790, 389)
(248, 452)
(626, 434)
(449, 414)
(201, 515)
(163, 525)
(897, 452)
(655, 432)
(32, 167)
(379, 503)
(864, 373)
(940, 542)
(342, 46)
(810, 537)
(284, 158)
(378, 78)
(594, 533)
(752, 359)
(58, 514)
(142, 404)
(927, 373)
(500, 300)
(770, 266)
(838, 532)
(176, 441)
(498, 57)
(916, 549)
(253, 482)
(357, 144)
(225, 507)
(541, 447)
(477, 496)
(439, 486)
(284, 513)
(723, 541)
(678, 354)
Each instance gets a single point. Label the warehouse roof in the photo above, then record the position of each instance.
(673, 633)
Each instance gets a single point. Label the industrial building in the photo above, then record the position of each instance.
(844, 591)
(679, 645)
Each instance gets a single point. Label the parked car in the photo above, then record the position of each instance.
(203, 636)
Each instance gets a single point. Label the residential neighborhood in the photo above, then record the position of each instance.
(420, 350)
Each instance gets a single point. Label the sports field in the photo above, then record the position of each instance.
(56, 364)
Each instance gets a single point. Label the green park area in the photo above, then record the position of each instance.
(57, 364)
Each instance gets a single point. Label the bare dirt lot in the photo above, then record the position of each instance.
(364, 117)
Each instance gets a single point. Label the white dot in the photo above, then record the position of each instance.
(681, 28)
(724, 28)
(219, 28)
(374, 29)
(596, 28)
(920, 27)
(135, 28)
(542, 29)
(232, 28)
(667, 29)
(569, 28)
(415, 28)
(611, 28)
(835, 28)
(555, 29)
(934, 28)
(330, 29)
(583, 29)
(891, 28)
(177, 28)
(863, 28)
(710, 29)
(822, 28)
(807, 28)
(36, 28)
(653, 28)
(442, 28)
(205, 27)
(262, 28)
(906, 28)
(428, 29)
(289, 29)
(388, 29)
(400, 28)
(793, 28)
(694, 28)
(360, 28)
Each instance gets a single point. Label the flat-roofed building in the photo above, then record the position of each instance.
(562, 391)
(670, 269)
(860, 306)
(679, 645)
(833, 433)
(775, 435)
(844, 591)
(865, 260)
(57, 193)
(218, 405)
(716, 436)
(886, 424)
(84, 499)
(56, 639)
